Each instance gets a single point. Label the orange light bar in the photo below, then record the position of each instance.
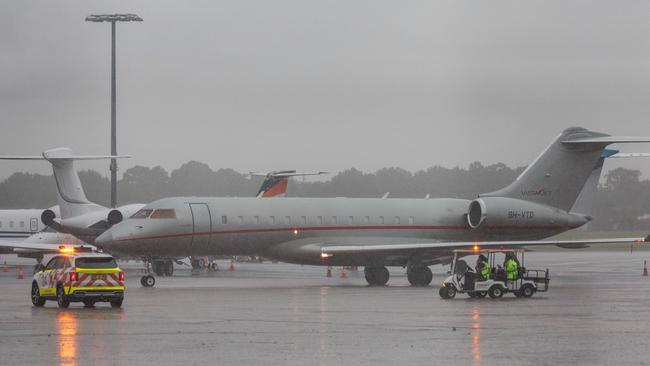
(64, 250)
(476, 247)
(325, 255)
(295, 231)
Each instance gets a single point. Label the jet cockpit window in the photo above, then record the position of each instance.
(166, 213)
(142, 214)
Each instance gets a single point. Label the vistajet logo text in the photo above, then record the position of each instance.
(536, 192)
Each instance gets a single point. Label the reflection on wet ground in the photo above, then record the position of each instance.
(66, 323)
(595, 313)
(476, 335)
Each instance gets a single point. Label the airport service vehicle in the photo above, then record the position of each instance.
(527, 283)
(551, 196)
(79, 276)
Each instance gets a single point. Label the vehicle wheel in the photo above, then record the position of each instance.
(37, 300)
(480, 294)
(116, 303)
(419, 276)
(495, 292)
(148, 281)
(89, 303)
(443, 292)
(527, 291)
(376, 276)
(61, 298)
(449, 292)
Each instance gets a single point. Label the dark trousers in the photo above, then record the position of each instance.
(470, 278)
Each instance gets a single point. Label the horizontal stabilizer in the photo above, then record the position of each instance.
(606, 140)
(288, 173)
(630, 155)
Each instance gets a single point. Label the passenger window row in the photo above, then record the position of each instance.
(12, 224)
(316, 220)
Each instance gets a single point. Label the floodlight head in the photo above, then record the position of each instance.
(113, 18)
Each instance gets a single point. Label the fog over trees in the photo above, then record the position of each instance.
(622, 201)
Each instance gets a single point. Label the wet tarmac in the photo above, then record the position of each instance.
(595, 313)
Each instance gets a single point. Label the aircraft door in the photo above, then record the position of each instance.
(33, 224)
(202, 225)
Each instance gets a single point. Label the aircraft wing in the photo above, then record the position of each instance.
(414, 249)
(51, 248)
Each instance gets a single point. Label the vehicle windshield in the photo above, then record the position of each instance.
(95, 262)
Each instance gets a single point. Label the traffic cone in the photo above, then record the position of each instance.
(21, 275)
(344, 274)
(329, 273)
(232, 265)
(645, 268)
(5, 267)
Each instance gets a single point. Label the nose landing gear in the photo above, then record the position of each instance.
(148, 281)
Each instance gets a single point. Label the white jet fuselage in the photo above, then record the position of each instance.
(293, 229)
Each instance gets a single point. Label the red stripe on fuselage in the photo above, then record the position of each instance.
(343, 228)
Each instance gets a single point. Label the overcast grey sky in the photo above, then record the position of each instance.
(328, 85)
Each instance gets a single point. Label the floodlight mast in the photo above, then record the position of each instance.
(113, 18)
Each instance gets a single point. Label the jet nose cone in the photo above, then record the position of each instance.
(105, 239)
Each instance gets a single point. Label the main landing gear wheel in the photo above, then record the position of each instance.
(419, 275)
(376, 276)
(37, 300)
(148, 281)
(163, 267)
(169, 268)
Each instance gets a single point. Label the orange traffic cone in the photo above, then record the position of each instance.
(21, 275)
(344, 274)
(5, 268)
(232, 265)
(329, 272)
(645, 268)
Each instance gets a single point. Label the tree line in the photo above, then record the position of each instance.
(622, 202)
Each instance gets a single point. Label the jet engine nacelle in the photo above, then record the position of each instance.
(47, 217)
(114, 217)
(511, 212)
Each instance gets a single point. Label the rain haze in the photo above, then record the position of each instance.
(260, 85)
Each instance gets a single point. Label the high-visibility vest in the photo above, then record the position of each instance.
(512, 269)
(485, 270)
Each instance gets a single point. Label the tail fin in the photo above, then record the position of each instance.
(72, 198)
(275, 183)
(559, 174)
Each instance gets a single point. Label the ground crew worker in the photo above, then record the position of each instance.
(511, 265)
(482, 267)
(481, 274)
